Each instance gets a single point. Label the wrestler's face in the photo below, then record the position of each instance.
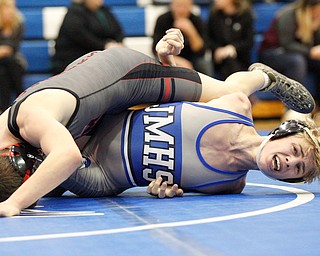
(286, 158)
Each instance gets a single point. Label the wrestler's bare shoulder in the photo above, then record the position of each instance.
(59, 103)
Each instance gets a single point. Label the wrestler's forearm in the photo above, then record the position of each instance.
(55, 169)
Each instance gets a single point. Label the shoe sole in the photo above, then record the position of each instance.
(293, 94)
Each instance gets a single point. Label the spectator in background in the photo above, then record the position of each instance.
(194, 32)
(231, 35)
(88, 25)
(12, 63)
(292, 43)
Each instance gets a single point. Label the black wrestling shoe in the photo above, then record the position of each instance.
(293, 94)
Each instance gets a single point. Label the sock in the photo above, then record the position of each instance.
(267, 80)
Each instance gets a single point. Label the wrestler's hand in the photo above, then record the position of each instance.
(171, 44)
(162, 190)
(8, 210)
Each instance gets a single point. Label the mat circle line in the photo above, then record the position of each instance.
(302, 197)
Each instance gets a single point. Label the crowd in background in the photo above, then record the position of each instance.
(12, 64)
(218, 46)
(88, 26)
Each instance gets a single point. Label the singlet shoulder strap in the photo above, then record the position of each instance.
(12, 121)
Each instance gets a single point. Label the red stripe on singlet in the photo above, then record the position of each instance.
(167, 89)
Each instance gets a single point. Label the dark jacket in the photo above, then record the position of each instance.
(83, 31)
(236, 30)
(165, 21)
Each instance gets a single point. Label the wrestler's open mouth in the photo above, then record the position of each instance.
(276, 163)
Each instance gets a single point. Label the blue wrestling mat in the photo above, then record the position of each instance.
(268, 218)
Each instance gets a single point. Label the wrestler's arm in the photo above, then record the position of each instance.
(162, 190)
(40, 128)
(233, 187)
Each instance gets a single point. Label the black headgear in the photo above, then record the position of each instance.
(288, 128)
(25, 159)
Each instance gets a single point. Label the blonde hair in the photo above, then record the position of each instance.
(304, 20)
(314, 173)
(18, 18)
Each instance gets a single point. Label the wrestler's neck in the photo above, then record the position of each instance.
(6, 137)
(244, 154)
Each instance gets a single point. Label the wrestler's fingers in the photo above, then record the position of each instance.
(179, 192)
(150, 186)
(175, 44)
(171, 192)
(174, 38)
(175, 31)
(156, 186)
(162, 190)
(174, 35)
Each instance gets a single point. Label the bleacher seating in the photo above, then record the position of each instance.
(137, 17)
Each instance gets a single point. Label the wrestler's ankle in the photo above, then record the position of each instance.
(267, 80)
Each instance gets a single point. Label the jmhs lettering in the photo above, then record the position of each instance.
(159, 150)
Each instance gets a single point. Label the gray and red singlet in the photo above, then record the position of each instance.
(110, 81)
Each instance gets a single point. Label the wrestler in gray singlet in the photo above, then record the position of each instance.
(135, 147)
(110, 81)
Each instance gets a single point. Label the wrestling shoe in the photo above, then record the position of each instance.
(293, 94)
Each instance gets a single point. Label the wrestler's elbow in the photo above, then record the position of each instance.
(241, 99)
(70, 156)
(75, 158)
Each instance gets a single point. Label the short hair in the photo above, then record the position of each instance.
(10, 180)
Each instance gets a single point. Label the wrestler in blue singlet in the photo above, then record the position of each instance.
(136, 147)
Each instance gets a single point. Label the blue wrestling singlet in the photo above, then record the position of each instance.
(150, 144)
(135, 147)
(164, 140)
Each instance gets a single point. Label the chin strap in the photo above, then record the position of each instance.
(263, 143)
(260, 149)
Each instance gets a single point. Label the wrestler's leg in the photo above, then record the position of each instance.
(293, 94)
(246, 82)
